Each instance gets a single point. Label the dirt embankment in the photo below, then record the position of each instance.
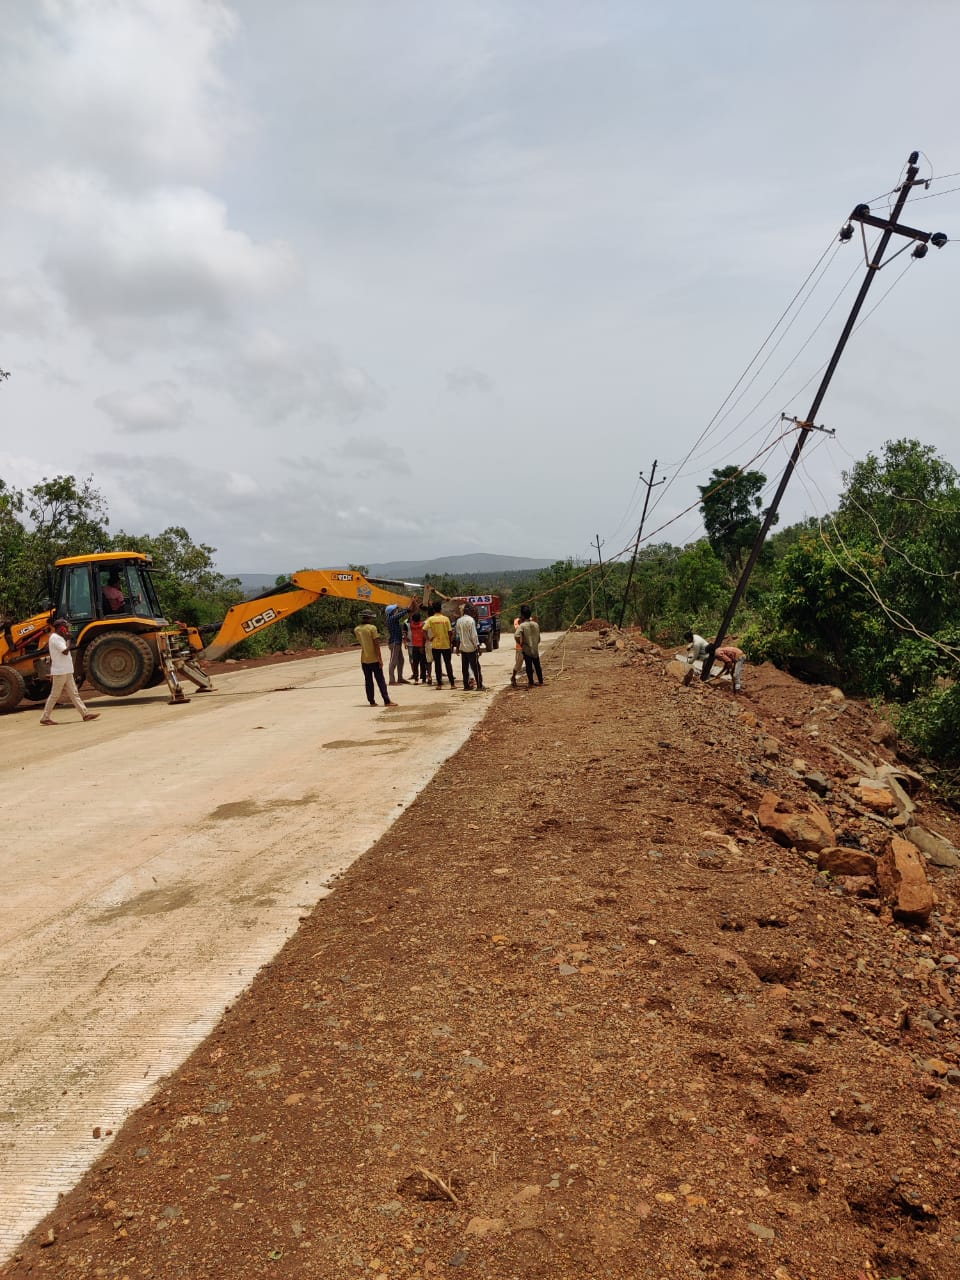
(575, 1015)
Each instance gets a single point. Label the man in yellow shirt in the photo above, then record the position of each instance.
(438, 626)
(371, 660)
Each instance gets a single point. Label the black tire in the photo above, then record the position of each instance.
(12, 688)
(496, 639)
(38, 690)
(118, 663)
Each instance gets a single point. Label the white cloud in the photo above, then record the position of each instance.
(132, 90)
(160, 406)
(376, 454)
(170, 253)
(26, 306)
(464, 380)
(308, 380)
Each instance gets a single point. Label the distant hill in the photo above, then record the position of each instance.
(476, 563)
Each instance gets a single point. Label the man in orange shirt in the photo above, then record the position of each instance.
(731, 661)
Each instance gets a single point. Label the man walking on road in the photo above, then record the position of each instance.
(528, 637)
(61, 672)
(371, 661)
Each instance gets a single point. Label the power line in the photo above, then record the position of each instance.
(889, 228)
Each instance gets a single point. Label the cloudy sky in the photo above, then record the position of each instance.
(333, 281)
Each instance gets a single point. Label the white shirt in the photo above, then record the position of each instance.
(467, 634)
(698, 649)
(61, 662)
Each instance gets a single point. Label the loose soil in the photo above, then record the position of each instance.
(573, 1016)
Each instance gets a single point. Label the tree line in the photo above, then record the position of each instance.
(866, 598)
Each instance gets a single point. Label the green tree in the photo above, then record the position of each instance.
(190, 587)
(54, 518)
(730, 507)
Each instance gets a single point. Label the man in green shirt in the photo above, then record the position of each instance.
(371, 661)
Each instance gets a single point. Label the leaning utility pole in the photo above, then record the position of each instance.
(603, 585)
(890, 227)
(636, 545)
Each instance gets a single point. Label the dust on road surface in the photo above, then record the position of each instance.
(155, 859)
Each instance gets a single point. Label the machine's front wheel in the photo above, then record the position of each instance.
(11, 688)
(119, 663)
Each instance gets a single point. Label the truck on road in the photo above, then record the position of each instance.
(488, 617)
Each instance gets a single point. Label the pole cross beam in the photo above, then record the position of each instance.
(890, 227)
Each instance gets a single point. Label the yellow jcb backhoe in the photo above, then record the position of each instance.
(122, 642)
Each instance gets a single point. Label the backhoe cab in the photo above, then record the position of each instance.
(122, 643)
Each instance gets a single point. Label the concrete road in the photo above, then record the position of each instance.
(154, 859)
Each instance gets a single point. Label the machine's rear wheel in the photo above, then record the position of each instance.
(11, 688)
(496, 639)
(119, 663)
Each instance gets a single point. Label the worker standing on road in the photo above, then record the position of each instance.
(61, 672)
(418, 657)
(371, 660)
(518, 656)
(468, 642)
(395, 617)
(438, 628)
(528, 636)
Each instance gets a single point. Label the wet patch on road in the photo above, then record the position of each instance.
(152, 902)
(250, 808)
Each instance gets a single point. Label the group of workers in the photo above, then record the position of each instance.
(430, 642)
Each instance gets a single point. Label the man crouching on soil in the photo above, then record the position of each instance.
(731, 661)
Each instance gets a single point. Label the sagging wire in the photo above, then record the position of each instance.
(831, 246)
(898, 619)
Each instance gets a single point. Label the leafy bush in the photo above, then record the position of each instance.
(931, 723)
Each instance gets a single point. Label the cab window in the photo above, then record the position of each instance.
(76, 597)
(140, 594)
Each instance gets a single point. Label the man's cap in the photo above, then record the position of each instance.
(392, 608)
(368, 615)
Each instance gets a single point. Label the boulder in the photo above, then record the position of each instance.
(846, 862)
(938, 850)
(903, 881)
(873, 797)
(817, 781)
(807, 828)
(858, 886)
(681, 671)
(884, 735)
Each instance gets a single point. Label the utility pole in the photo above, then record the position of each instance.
(636, 545)
(603, 585)
(890, 227)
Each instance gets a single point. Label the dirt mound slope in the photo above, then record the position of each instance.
(576, 1015)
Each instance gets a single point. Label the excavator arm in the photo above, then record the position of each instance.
(255, 615)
